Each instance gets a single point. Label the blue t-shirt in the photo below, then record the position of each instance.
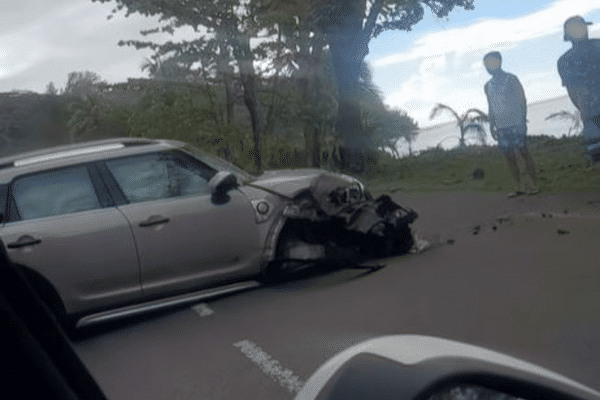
(579, 70)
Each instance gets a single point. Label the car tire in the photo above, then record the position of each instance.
(281, 268)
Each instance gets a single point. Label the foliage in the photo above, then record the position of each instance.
(29, 120)
(576, 126)
(343, 26)
(82, 83)
(349, 26)
(230, 25)
(51, 89)
(471, 120)
(85, 115)
(382, 126)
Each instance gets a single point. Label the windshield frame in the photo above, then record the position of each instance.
(218, 163)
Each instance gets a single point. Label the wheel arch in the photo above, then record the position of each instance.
(45, 289)
(272, 241)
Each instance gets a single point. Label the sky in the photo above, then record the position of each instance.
(440, 60)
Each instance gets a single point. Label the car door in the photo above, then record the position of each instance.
(186, 241)
(61, 225)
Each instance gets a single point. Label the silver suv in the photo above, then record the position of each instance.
(111, 228)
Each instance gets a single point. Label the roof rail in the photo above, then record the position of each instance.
(72, 153)
(70, 150)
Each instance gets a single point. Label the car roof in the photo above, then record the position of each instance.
(60, 156)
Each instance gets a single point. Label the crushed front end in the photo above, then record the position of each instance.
(335, 219)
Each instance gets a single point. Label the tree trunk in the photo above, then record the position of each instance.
(244, 58)
(316, 64)
(310, 63)
(349, 47)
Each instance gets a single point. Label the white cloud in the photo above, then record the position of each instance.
(75, 36)
(446, 66)
(494, 34)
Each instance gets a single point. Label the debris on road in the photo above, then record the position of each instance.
(505, 220)
(420, 245)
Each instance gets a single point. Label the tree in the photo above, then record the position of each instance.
(403, 127)
(85, 117)
(349, 26)
(382, 126)
(574, 118)
(82, 83)
(51, 89)
(345, 25)
(472, 119)
(230, 23)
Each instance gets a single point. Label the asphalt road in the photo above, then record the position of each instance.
(522, 288)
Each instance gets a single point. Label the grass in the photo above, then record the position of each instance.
(561, 166)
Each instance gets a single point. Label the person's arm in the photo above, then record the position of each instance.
(491, 117)
(520, 98)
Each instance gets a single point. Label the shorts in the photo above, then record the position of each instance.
(592, 137)
(512, 138)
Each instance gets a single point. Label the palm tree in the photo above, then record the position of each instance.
(472, 119)
(85, 116)
(172, 68)
(573, 117)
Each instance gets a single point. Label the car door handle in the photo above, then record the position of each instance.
(24, 241)
(154, 220)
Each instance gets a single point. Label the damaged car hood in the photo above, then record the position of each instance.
(291, 182)
(319, 195)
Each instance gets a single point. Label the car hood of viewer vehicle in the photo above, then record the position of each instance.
(290, 182)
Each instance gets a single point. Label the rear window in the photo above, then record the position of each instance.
(56, 192)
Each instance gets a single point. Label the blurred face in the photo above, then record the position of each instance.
(576, 30)
(492, 64)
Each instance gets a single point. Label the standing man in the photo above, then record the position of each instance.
(579, 70)
(508, 121)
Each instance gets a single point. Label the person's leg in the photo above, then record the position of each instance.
(592, 135)
(513, 167)
(507, 144)
(531, 187)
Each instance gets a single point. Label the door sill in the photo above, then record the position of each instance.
(160, 304)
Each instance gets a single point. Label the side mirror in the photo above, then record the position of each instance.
(221, 183)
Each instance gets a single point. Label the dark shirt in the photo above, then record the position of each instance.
(579, 70)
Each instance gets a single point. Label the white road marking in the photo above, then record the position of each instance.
(270, 366)
(202, 310)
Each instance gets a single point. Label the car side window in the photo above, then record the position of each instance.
(57, 192)
(158, 176)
